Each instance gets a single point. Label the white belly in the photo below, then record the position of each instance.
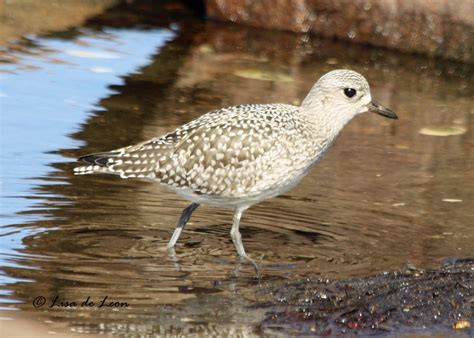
(241, 201)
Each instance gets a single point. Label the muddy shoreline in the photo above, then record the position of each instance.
(406, 301)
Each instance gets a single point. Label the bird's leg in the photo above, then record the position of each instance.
(235, 234)
(185, 216)
(237, 239)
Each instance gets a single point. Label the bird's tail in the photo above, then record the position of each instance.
(96, 163)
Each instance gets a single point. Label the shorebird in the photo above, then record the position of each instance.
(236, 157)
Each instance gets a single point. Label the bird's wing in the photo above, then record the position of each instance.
(146, 158)
(233, 156)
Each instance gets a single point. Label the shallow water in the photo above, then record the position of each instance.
(386, 196)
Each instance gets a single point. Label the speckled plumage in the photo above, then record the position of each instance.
(240, 155)
(232, 152)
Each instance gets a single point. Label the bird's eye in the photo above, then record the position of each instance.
(350, 92)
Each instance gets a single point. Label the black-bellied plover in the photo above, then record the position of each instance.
(238, 156)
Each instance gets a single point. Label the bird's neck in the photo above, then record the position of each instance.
(320, 130)
(322, 120)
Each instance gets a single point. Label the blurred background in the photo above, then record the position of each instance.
(85, 76)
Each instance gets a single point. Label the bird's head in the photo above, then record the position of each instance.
(344, 92)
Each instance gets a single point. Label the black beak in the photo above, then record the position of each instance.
(376, 108)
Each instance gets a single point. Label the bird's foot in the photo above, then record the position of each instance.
(246, 259)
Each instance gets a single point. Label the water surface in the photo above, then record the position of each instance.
(386, 196)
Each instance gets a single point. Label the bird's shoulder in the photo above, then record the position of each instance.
(247, 116)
